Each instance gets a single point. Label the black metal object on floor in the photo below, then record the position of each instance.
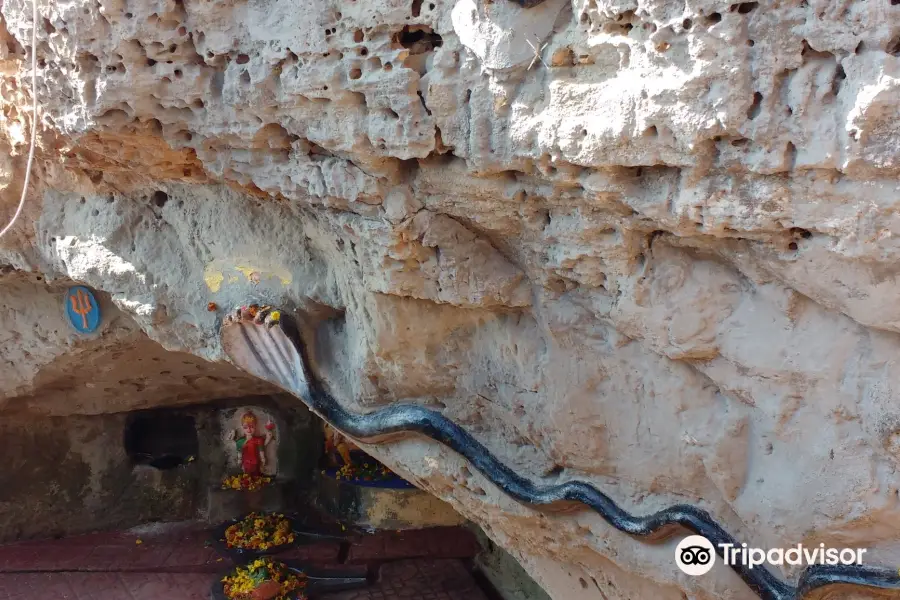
(319, 580)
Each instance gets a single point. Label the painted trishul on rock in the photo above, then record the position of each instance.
(268, 344)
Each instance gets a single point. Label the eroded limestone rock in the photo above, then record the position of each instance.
(661, 260)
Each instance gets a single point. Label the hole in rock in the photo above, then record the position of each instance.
(160, 198)
(418, 39)
(756, 106)
(893, 46)
(555, 471)
(161, 439)
(790, 156)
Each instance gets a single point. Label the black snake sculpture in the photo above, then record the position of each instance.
(269, 345)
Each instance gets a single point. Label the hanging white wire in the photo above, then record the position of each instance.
(34, 116)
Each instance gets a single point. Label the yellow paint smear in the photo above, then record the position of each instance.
(213, 279)
(215, 273)
(265, 273)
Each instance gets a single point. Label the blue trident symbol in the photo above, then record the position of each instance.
(82, 309)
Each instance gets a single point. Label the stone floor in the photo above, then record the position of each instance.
(178, 565)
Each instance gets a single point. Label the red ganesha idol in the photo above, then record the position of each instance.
(252, 446)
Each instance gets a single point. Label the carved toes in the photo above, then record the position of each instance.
(273, 318)
(260, 317)
(254, 313)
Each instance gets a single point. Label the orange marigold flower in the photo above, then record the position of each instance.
(259, 532)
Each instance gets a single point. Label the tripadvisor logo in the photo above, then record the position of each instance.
(696, 555)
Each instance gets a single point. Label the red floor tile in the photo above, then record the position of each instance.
(404, 580)
(91, 586)
(440, 542)
(322, 553)
(180, 567)
(444, 579)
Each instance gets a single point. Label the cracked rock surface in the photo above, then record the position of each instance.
(641, 243)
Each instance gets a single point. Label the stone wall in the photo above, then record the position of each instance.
(73, 474)
(504, 574)
(660, 259)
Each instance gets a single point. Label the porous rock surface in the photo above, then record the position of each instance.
(657, 256)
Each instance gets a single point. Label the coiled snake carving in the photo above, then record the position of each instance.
(270, 346)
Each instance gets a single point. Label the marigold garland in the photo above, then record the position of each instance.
(367, 471)
(245, 482)
(258, 531)
(245, 580)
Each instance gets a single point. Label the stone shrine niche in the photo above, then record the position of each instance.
(161, 439)
(247, 431)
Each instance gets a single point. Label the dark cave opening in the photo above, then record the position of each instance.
(161, 439)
